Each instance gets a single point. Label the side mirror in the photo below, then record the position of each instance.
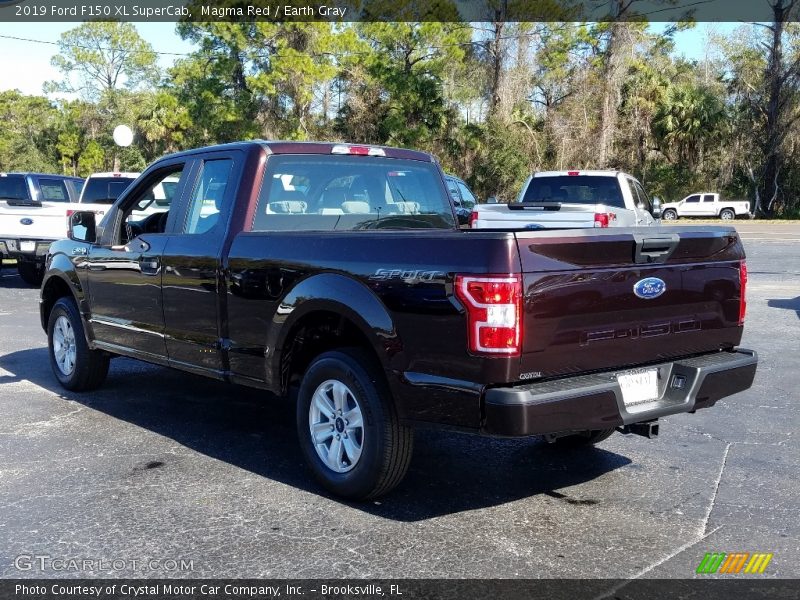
(656, 207)
(491, 200)
(82, 226)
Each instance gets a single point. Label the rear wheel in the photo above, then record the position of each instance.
(727, 214)
(586, 438)
(348, 427)
(75, 365)
(670, 215)
(31, 273)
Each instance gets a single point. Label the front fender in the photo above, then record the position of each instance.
(61, 276)
(341, 295)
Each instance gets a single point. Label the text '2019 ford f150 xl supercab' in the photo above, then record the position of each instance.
(338, 272)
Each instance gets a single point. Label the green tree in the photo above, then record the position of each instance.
(98, 58)
(686, 121)
(401, 85)
(92, 159)
(29, 133)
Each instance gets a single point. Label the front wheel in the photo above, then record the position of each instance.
(726, 214)
(348, 427)
(31, 273)
(670, 215)
(75, 365)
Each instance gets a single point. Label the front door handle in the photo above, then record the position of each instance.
(149, 265)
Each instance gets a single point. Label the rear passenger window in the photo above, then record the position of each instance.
(105, 190)
(468, 199)
(331, 193)
(206, 202)
(53, 190)
(708, 198)
(641, 196)
(568, 189)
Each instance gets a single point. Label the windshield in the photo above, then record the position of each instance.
(319, 193)
(12, 187)
(571, 189)
(104, 190)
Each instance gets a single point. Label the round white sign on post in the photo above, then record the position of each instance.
(123, 136)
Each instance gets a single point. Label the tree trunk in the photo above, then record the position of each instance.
(613, 72)
(773, 138)
(496, 52)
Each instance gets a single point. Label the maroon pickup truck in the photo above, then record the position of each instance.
(339, 272)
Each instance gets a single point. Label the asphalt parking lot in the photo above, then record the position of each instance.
(160, 465)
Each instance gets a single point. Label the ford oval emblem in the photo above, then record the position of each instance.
(649, 288)
(26, 221)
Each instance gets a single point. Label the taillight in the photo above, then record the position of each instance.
(494, 311)
(473, 218)
(603, 219)
(742, 291)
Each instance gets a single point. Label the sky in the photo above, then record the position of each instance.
(26, 65)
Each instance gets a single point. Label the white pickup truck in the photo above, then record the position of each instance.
(34, 211)
(705, 204)
(572, 199)
(32, 214)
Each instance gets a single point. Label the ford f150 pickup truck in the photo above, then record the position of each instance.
(559, 199)
(706, 205)
(337, 274)
(32, 215)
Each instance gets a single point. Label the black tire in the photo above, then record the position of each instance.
(90, 366)
(587, 438)
(670, 215)
(727, 214)
(386, 444)
(31, 273)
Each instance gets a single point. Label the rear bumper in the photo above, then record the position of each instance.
(595, 401)
(29, 249)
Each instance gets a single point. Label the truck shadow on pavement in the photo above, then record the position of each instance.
(10, 280)
(253, 430)
(787, 303)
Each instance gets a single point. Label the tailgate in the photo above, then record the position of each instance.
(557, 216)
(34, 222)
(588, 307)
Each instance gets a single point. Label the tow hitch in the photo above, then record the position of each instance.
(648, 429)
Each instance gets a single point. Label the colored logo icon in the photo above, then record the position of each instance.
(734, 562)
(649, 288)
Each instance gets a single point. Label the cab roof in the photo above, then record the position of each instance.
(294, 147)
(31, 174)
(579, 172)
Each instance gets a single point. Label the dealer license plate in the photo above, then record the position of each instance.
(638, 386)
(27, 246)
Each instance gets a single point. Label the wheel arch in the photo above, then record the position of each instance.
(330, 311)
(61, 281)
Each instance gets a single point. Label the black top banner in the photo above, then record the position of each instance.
(399, 10)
